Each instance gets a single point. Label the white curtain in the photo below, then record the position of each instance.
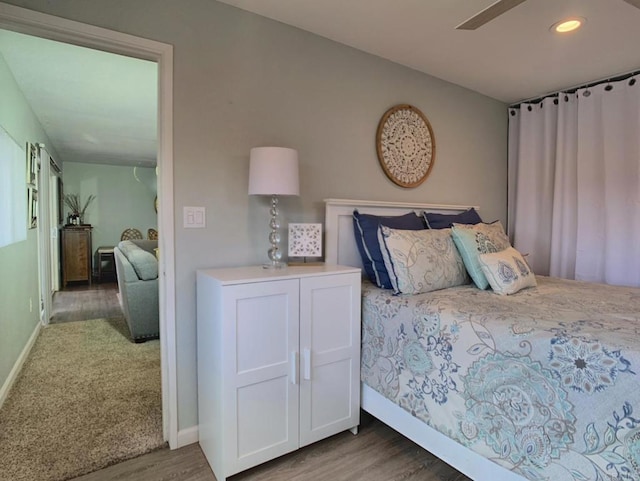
(574, 183)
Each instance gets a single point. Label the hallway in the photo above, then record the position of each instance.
(81, 302)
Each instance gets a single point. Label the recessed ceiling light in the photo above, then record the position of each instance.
(568, 25)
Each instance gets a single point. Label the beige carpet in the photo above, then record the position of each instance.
(87, 397)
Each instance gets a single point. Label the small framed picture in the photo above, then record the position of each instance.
(32, 207)
(305, 240)
(32, 164)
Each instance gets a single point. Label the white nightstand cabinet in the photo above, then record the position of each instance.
(278, 361)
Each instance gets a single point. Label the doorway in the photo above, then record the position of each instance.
(54, 28)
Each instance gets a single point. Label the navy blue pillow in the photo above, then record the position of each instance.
(365, 228)
(444, 221)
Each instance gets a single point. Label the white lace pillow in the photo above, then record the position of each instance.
(507, 271)
(421, 260)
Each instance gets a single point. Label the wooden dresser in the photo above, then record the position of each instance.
(76, 254)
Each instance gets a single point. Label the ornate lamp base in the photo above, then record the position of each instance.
(275, 265)
(274, 252)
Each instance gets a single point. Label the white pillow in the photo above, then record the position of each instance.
(421, 260)
(507, 271)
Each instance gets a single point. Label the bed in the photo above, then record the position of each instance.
(538, 385)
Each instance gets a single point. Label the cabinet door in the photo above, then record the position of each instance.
(329, 355)
(261, 382)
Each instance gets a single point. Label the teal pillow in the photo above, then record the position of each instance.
(473, 240)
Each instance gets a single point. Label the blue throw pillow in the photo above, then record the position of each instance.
(365, 228)
(444, 221)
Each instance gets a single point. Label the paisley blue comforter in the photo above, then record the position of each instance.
(544, 382)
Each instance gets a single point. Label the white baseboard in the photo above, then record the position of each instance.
(187, 436)
(17, 367)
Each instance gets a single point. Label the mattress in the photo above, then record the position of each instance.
(543, 382)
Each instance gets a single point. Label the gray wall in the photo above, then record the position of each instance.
(19, 262)
(124, 198)
(242, 81)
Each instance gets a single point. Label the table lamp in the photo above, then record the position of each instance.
(274, 171)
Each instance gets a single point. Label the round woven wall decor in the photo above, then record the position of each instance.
(406, 145)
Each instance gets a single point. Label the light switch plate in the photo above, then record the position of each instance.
(194, 218)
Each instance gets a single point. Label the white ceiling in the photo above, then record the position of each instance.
(513, 57)
(95, 107)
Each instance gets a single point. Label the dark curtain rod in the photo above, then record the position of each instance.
(572, 90)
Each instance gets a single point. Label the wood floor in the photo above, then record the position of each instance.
(377, 453)
(83, 302)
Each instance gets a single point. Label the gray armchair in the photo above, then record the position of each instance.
(137, 269)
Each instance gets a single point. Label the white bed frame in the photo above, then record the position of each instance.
(340, 248)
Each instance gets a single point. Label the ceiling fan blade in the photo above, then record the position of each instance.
(494, 10)
(635, 3)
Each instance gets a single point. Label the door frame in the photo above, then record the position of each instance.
(47, 225)
(44, 234)
(47, 26)
(54, 224)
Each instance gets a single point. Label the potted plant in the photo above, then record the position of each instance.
(77, 208)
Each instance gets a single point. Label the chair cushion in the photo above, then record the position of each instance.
(146, 244)
(143, 262)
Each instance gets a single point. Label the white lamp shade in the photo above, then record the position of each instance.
(273, 171)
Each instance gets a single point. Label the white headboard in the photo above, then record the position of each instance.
(340, 245)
